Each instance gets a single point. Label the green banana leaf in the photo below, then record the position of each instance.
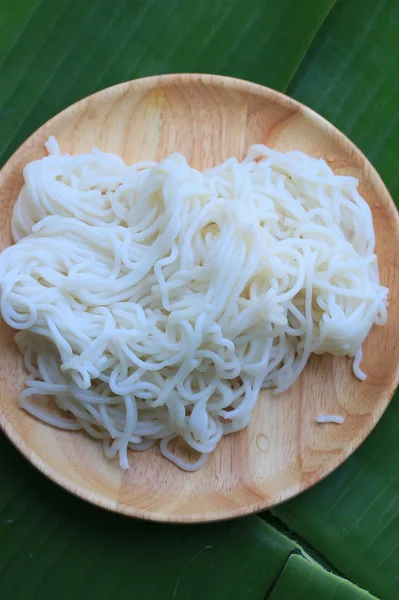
(351, 76)
(53, 53)
(68, 550)
(311, 582)
(55, 546)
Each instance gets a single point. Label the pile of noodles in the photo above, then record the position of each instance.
(154, 301)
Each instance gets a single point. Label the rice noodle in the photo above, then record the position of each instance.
(154, 301)
(330, 419)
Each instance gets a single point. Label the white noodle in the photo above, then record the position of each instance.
(356, 365)
(52, 146)
(154, 301)
(330, 419)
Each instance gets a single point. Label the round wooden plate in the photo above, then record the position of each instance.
(283, 451)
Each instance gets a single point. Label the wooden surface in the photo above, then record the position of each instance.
(283, 451)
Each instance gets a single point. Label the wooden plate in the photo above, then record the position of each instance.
(283, 451)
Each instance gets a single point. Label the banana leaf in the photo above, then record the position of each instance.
(54, 53)
(308, 581)
(53, 545)
(351, 76)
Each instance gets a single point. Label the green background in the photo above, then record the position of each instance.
(341, 537)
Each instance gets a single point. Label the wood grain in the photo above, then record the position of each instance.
(283, 451)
